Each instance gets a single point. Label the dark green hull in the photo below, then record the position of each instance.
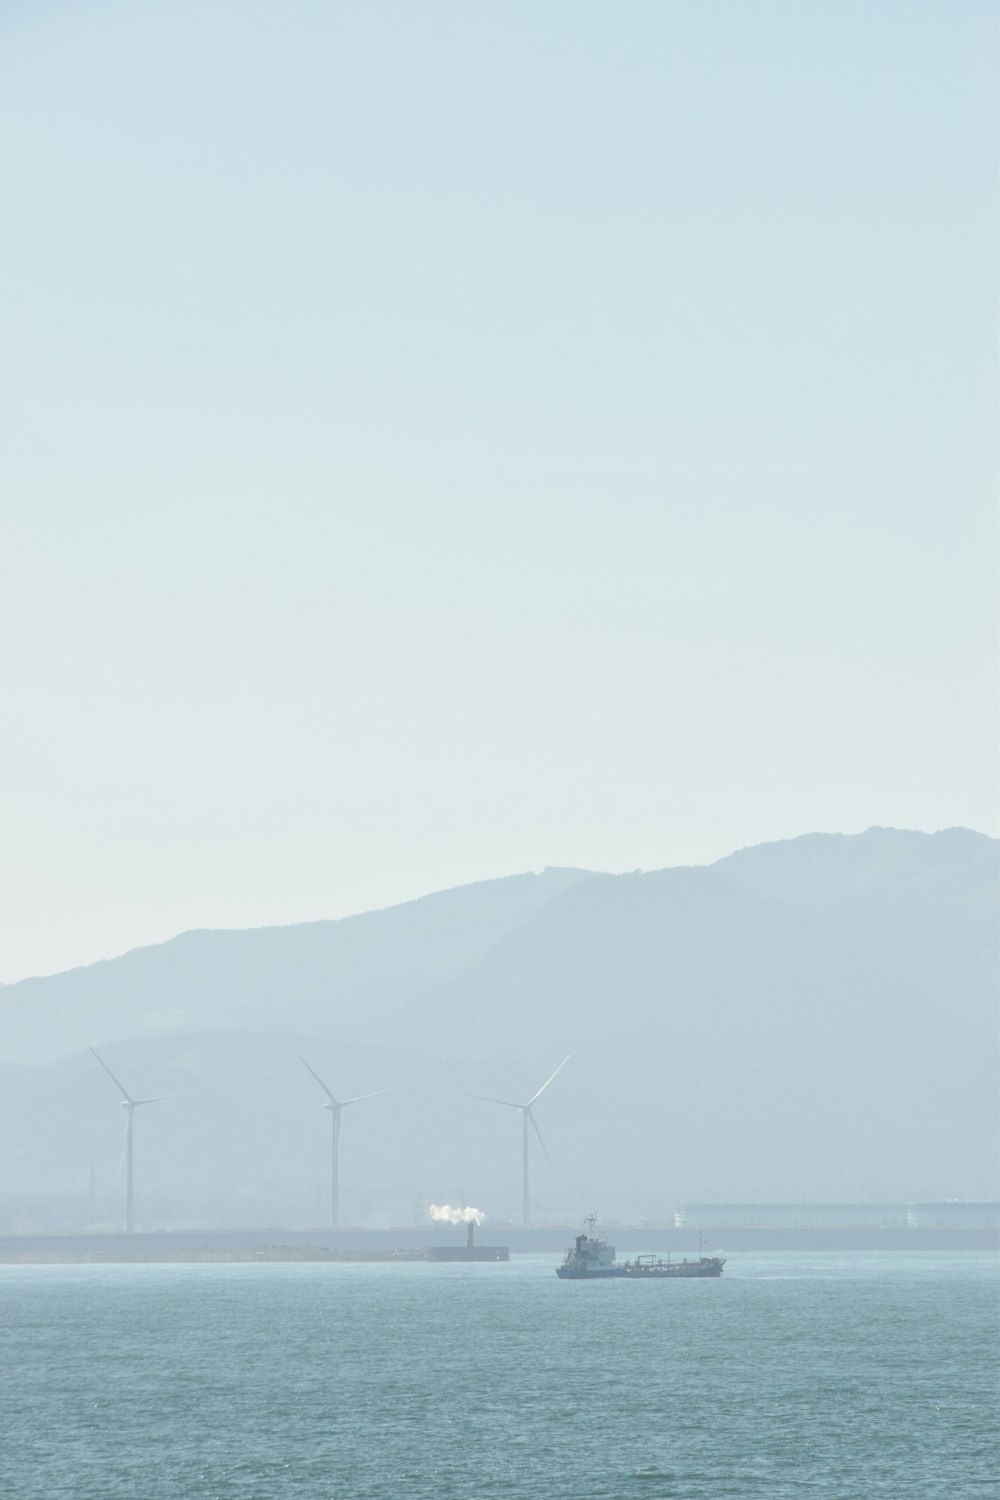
(645, 1270)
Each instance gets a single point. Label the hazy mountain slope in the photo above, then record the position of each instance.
(782, 1041)
(927, 903)
(317, 976)
(728, 1039)
(246, 1141)
(724, 1045)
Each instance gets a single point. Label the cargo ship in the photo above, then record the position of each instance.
(592, 1258)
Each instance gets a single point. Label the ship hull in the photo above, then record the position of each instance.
(665, 1271)
(672, 1272)
(615, 1272)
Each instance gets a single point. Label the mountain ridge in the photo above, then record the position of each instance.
(810, 1019)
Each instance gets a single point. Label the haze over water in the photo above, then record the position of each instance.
(840, 1377)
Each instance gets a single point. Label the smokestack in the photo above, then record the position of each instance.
(444, 1213)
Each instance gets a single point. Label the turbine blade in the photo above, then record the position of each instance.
(486, 1097)
(114, 1080)
(121, 1159)
(156, 1100)
(358, 1097)
(318, 1079)
(539, 1135)
(549, 1080)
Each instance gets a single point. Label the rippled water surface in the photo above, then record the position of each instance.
(835, 1376)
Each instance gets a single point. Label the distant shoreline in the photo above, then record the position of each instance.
(143, 1255)
(402, 1246)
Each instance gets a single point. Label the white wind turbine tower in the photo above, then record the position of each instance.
(131, 1105)
(335, 1106)
(526, 1115)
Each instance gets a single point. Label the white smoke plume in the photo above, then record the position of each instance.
(448, 1215)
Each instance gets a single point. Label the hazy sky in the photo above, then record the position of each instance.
(441, 440)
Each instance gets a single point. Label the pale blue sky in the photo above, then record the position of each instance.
(447, 439)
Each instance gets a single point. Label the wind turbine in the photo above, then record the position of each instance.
(526, 1115)
(131, 1105)
(335, 1106)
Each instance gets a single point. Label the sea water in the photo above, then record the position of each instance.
(793, 1376)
